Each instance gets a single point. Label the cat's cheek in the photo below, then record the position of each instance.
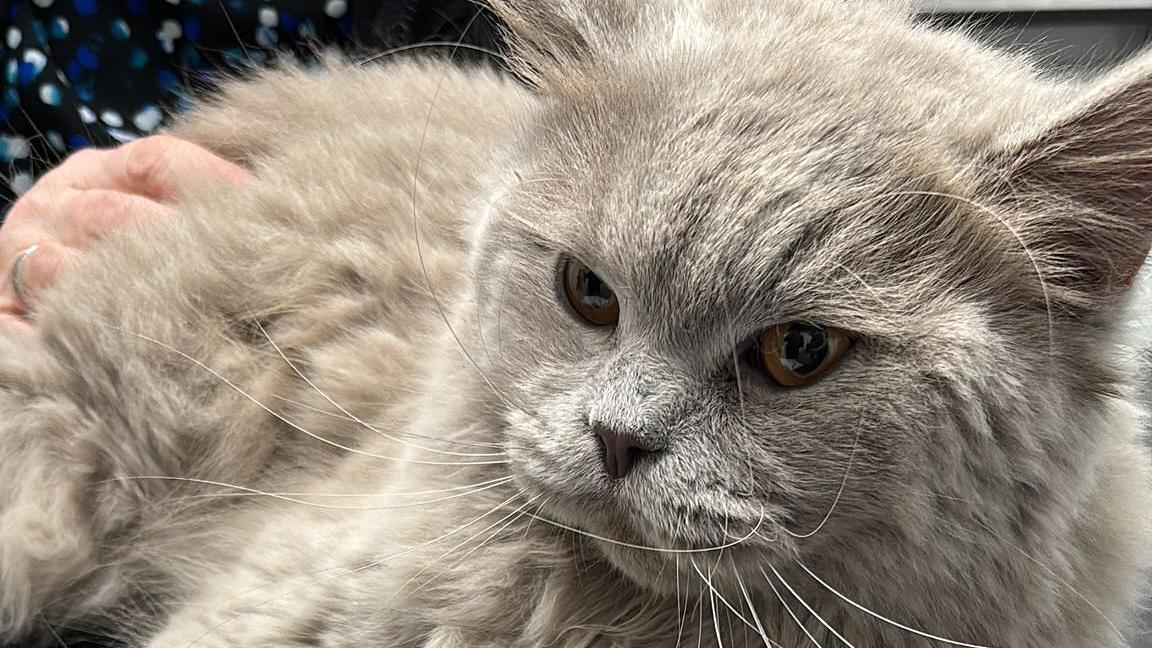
(553, 455)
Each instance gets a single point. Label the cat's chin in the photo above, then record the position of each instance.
(647, 558)
(669, 574)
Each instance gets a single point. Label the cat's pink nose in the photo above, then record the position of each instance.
(620, 450)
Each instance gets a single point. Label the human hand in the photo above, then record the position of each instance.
(91, 193)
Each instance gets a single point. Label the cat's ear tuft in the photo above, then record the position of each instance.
(563, 36)
(1083, 187)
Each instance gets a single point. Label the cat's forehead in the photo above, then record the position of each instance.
(709, 177)
(746, 243)
(785, 90)
(656, 153)
(679, 195)
(770, 72)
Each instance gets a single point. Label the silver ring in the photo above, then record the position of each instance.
(17, 270)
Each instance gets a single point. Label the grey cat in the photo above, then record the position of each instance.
(752, 323)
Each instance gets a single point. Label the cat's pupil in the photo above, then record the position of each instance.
(591, 298)
(597, 294)
(805, 348)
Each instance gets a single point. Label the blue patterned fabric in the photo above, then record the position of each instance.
(79, 73)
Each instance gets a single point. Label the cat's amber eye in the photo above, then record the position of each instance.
(798, 353)
(590, 297)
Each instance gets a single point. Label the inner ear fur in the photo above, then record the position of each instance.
(553, 38)
(1082, 189)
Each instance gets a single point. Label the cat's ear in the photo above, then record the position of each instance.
(1082, 189)
(563, 36)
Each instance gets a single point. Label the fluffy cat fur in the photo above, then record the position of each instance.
(345, 406)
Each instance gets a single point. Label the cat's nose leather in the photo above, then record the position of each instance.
(620, 450)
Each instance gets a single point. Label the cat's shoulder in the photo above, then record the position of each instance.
(351, 105)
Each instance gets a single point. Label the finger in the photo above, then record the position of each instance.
(38, 271)
(165, 168)
(82, 168)
(87, 216)
(31, 220)
(161, 167)
(28, 219)
(9, 307)
(14, 321)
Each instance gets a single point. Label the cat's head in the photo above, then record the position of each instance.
(803, 279)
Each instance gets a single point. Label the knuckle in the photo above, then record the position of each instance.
(144, 159)
(42, 268)
(94, 206)
(33, 205)
(61, 174)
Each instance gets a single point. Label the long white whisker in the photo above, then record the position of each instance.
(289, 423)
(681, 613)
(436, 491)
(235, 32)
(715, 618)
(885, 619)
(286, 498)
(507, 520)
(839, 493)
(707, 580)
(857, 277)
(340, 417)
(352, 416)
(629, 545)
(1019, 240)
(539, 507)
(455, 44)
(752, 609)
(795, 595)
(791, 613)
(350, 572)
(55, 635)
(700, 617)
(735, 360)
(420, 252)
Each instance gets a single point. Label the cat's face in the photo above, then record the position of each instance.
(667, 241)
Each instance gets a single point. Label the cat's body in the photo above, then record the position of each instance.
(387, 283)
